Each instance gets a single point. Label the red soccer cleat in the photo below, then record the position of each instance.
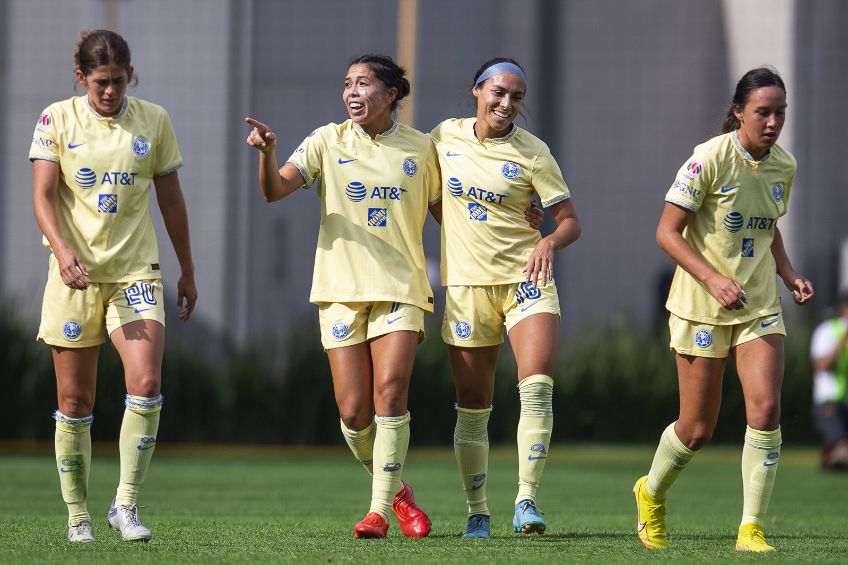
(372, 526)
(414, 522)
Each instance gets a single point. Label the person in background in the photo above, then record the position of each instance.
(829, 354)
(95, 158)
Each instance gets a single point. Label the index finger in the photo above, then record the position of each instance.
(257, 124)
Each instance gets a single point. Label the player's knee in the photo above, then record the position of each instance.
(763, 414)
(77, 404)
(698, 435)
(146, 385)
(355, 418)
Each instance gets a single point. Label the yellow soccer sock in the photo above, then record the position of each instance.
(362, 444)
(390, 444)
(73, 461)
(760, 456)
(136, 444)
(534, 433)
(471, 447)
(670, 459)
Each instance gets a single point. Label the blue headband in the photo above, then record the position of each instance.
(499, 69)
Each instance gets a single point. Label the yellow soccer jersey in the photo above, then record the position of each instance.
(106, 168)
(736, 203)
(375, 195)
(487, 186)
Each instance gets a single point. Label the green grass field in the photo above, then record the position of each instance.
(299, 505)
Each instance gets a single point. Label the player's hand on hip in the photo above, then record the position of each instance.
(186, 295)
(72, 270)
(534, 215)
(261, 136)
(728, 292)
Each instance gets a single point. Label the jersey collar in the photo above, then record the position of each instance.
(734, 135)
(386, 133)
(470, 129)
(120, 113)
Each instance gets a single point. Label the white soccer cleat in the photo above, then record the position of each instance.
(81, 532)
(125, 519)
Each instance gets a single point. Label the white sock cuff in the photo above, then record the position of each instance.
(763, 439)
(393, 421)
(72, 425)
(144, 405)
(670, 437)
(471, 425)
(536, 394)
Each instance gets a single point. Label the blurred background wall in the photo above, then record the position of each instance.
(620, 90)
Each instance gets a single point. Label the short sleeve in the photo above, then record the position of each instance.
(694, 180)
(45, 143)
(308, 156)
(168, 158)
(547, 181)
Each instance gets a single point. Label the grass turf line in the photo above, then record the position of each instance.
(265, 509)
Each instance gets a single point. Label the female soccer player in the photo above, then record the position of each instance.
(719, 224)
(376, 180)
(499, 273)
(94, 158)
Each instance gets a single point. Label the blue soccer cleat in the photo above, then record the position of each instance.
(528, 519)
(478, 527)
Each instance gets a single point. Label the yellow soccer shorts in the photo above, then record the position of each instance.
(475, 316)
(708, 340)
(351, 323)
(81, 318)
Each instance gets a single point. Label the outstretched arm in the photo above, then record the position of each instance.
(274, 182)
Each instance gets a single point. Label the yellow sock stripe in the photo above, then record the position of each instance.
(536, 394)
(763, 439)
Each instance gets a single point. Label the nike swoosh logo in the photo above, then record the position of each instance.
(641, 526)
(75, 145)
(475, 486)
(345, 161)
(140, 448)
(452, 154)
(140, 310)
(533, 458)
(726, 189)
(523, 308)
(66, 470)
(393, 320)
(767, 324)
(769, 463)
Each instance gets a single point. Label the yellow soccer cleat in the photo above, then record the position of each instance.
(752, 538)
(650, 518)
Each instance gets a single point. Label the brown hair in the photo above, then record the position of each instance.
(101, 47)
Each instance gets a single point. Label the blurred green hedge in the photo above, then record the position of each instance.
(613, 384)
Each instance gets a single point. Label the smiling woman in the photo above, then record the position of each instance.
(499, 275)
(376, 180)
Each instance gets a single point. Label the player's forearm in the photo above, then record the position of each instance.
(45, 191)
(169, 195)
(270, 180)
(674, 244)
(781, 259)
